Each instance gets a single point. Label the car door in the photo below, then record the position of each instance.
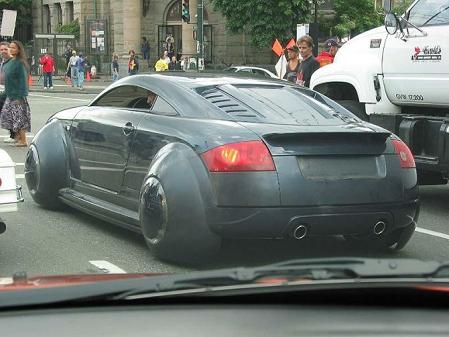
(102, 136)
(158, 128)
(416, 67)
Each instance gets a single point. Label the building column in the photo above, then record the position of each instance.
(132, 13)
(188, 43)
(53, 17)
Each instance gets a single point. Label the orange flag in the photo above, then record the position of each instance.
(277, 48)
(291, 43)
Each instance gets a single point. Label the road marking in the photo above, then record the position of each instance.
(20, 164)
(20, 176)
(107, 267)
(56, 97)
(433, 233)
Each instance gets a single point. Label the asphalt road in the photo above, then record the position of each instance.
(40, 242)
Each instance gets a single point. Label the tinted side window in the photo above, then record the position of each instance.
(261, 72)
(161, 107)
(126, 96)
(430, 12)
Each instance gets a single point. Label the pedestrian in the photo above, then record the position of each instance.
(48, 67)
(133, 63)
(6, 57)
(115, 68)
(174, 64)
(15, 114)
(80, 67)
(161, 64)
(166, 57)
(170, 46)
(327, 55)
(145, 49)
(72, 67)
(308, 64)
(292, 71)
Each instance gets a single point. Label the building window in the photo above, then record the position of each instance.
(58, 14)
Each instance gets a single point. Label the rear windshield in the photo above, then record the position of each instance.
(272, 104)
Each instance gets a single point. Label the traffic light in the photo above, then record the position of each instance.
(185, 11)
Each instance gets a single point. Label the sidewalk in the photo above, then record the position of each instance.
(94, 86)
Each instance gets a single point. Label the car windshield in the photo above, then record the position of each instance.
(159, 137)
(429, 12)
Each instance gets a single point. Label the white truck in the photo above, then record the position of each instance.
(397, 77)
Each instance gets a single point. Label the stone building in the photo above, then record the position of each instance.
(127, 21)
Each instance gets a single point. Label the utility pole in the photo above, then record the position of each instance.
(200, 34)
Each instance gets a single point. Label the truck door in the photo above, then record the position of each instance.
(416, 67)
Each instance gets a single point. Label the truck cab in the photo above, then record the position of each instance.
(397, 77)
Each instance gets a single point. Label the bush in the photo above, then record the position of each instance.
(70, 28)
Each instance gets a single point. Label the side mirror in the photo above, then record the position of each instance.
(391, 23)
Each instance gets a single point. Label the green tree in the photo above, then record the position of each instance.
(70, 28)
(355, 16)
(401, 6)
(264, 20)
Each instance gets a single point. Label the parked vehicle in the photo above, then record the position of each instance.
(252, 71)
(10, 193)
(399, 79)
(191, 159)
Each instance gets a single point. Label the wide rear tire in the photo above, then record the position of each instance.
(175, 228)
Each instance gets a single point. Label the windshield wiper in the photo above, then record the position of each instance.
(309, 269)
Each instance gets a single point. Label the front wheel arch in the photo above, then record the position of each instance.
(46, 165)
(346, 95)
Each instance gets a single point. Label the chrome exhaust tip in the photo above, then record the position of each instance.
(300, 232)
(379, 227)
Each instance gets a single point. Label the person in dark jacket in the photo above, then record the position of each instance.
(308, 64)
(174, 64)
(16, 114)
(6, 57)
(133, 63)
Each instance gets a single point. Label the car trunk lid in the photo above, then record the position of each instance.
(332, 165)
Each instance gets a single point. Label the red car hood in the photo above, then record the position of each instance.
(19, 282)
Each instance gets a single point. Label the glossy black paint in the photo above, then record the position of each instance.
(111, 152)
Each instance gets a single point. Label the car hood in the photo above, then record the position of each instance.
(21, 282)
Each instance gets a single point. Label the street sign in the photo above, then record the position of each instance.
(44, 36)
(301, 30)
(8, 22)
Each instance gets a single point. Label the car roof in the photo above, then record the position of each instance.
(189, 80)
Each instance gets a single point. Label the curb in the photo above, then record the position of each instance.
(86, 90)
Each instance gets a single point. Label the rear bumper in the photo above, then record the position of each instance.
(280, 222)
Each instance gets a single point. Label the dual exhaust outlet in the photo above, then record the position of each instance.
(301, 231)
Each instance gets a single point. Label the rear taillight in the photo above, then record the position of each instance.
(404, 153)
(238, 157)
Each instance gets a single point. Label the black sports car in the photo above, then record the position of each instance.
(191, 159)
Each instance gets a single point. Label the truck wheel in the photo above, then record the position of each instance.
(356, 108)
(175, 228)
